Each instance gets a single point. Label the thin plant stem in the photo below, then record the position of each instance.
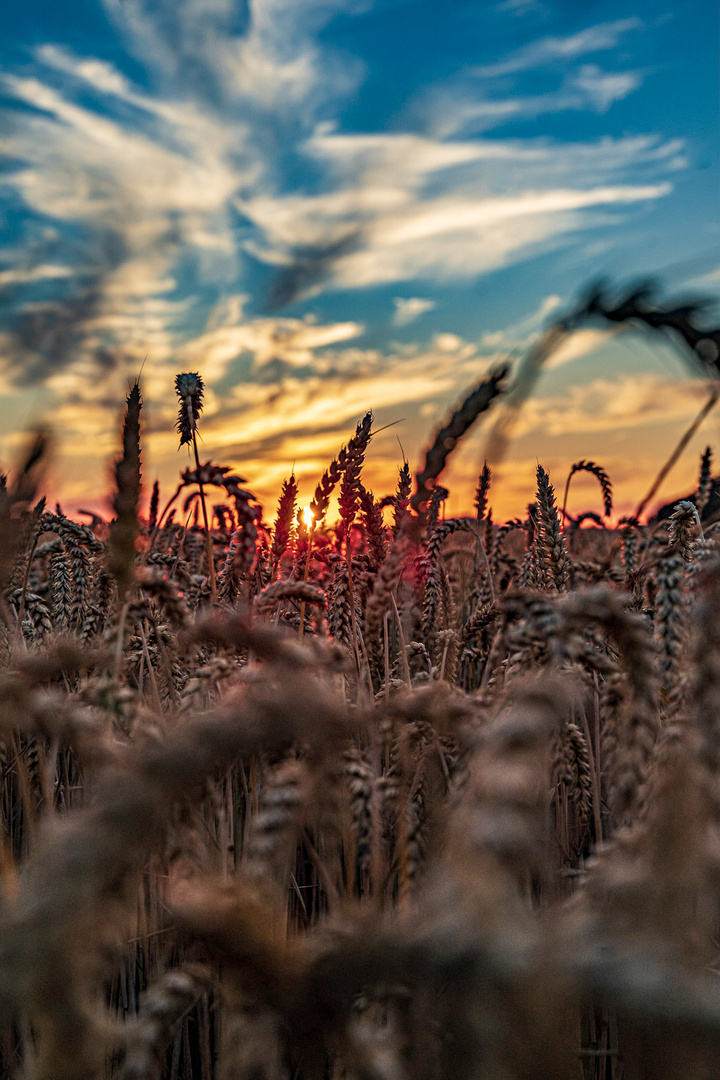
(143, 628)
(403, 651)
(26, 579)
(167, 506)
(208, 538)
(489, 571)
(563, 514)
(441, 676)
(386, 636)
(351, 596)
(493, 657)
(117, 667)
(671, 461)
(306, 574)
(595, 781)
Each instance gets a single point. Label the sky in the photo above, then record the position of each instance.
(329, 206)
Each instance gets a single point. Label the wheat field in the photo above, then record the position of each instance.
(399, 797)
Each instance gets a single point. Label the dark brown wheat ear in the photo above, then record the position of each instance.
(125, 530)
(476, 403)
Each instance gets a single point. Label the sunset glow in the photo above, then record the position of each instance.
(259, 212)
(307, 517)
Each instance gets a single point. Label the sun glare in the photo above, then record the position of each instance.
(308, 516)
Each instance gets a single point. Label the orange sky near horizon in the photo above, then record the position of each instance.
(273, 195)
(622, 401)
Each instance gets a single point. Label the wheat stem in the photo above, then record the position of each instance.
(208, 537)
(671, 461)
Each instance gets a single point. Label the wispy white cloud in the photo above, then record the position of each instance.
(271, 58)
(292, 342)
(580, 343)
(603, 88)
(629, 403)
(407, 309)
(443, 234)
(709, 280)
(98, 74)
(547, 50)
(461, 109)
(31, 275)
(487, 96)
(519, 7)
(523, 332)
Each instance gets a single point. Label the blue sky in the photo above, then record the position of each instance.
(330, 206)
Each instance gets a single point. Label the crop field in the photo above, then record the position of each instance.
(361, 794)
